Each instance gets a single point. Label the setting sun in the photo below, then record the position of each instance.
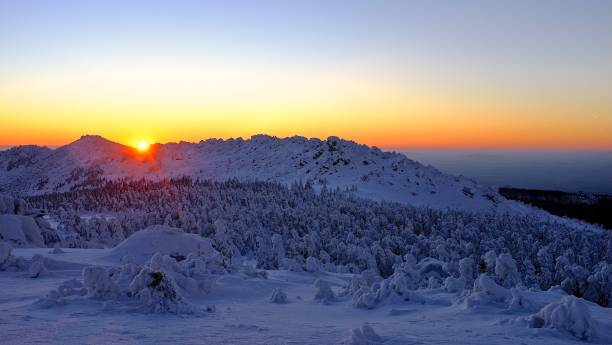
(142, 146)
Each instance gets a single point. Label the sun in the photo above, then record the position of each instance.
(142, 146)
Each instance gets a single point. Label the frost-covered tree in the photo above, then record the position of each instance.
(282, 226)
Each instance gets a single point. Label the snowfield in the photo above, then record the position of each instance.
(283, 241)
(236, 309)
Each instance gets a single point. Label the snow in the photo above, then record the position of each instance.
(452, 284)
(363, 335)
(569, 315)
(506, 271)
(232, 262)
(164, 240)
(99, 284)
(5, 253)
(333, 163)
(16, 226)
(157, 290)
(57, 249)
(324, 293)
(37, 267)
(11, 229)
(57, 310)
(486, 291)
(278, 296)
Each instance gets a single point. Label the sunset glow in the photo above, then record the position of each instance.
(480, 75)
(142, 146)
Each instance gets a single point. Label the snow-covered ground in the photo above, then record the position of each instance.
(236, 307)
(242, 242)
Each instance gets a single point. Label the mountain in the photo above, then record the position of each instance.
(333, 163)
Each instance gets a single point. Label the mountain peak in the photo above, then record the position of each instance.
(92, 143)
(93, 139)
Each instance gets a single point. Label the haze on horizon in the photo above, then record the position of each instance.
(445, 74)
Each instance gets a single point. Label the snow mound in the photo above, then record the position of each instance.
(165, 240)
(100, 283)
(37, 267)
(364, 335)
(57, 249)
(487, 291)
(9, 262)
(569, 315)
(324, 293)
(163, 284)
(278, 296)
(58, 297)
(20, 230)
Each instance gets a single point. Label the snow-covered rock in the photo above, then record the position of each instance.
(569, 315)
(37, 267)
(9, 262)
(164, 240)
(278, 296)
(324, 292)
(364, 335)
(253, 272)
(59, 297)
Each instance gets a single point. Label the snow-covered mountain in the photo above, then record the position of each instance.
(334, 162)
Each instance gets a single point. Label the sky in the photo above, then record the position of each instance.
(402, 74)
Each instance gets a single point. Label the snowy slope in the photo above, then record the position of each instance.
(333, 162)
(241, 313)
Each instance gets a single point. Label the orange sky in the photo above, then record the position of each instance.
(126, 106)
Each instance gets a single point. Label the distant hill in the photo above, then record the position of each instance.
(331, 163)
(592, 208)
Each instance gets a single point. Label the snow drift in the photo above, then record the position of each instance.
(569, 315)
(165, 240)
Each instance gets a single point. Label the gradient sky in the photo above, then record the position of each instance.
(494, 74)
